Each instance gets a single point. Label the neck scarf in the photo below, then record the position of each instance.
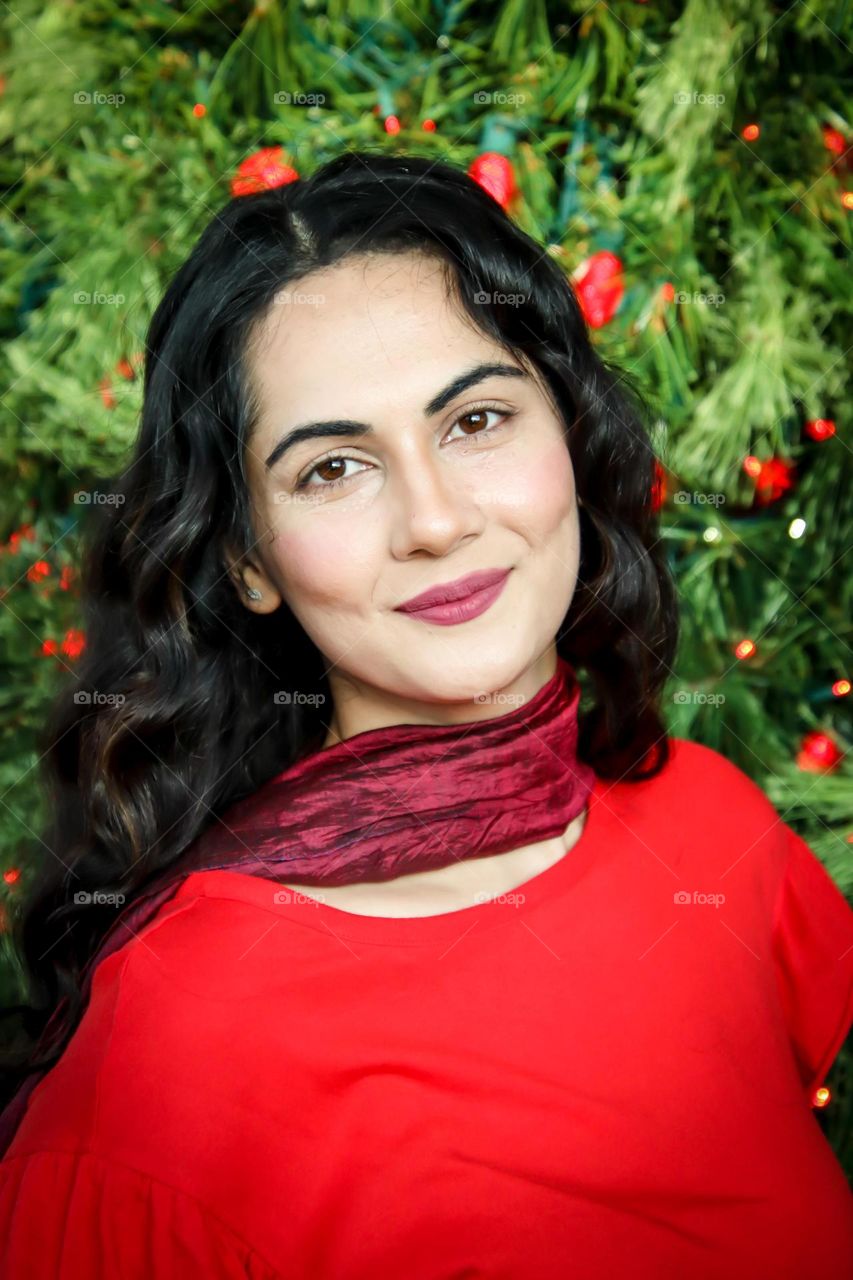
(385, 803)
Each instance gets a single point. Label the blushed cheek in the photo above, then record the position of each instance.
(315, 566)
(541, 489)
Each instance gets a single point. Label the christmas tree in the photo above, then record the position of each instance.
(688, 166)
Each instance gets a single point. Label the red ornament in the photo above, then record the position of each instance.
(428, 126)
(40, 569)
(818, 753)
(820, 428)
(125, 370)
(658, 487)
(73, 644)
(667, 291)
(599, 285)
(199, 110)
(495, 174)
(11, 875)
(262, 171)
(25, 531)
(834, 141)
(392, 124)
(750, 132)
(773, 477)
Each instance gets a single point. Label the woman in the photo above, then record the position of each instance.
(366, 953)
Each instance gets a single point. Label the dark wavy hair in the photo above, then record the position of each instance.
(185, 722)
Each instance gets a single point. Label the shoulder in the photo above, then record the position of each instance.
(701, 790)
(704, 771)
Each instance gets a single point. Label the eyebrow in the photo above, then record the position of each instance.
(346, 427)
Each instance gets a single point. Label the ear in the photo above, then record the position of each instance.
(253, 585)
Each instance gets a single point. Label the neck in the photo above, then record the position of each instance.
(360, 707)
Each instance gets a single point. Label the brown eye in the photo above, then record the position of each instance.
(480, 414)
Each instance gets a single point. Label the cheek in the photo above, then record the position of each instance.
(540, 488)
(316, 566)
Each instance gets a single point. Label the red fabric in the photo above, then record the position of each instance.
(586, 1078)
(383, 803)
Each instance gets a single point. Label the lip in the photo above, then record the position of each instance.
(463, 607)
(453, 592)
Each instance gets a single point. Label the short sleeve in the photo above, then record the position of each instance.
(65, 1215)
(813, 957)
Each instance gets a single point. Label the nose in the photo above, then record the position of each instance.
(433, 510)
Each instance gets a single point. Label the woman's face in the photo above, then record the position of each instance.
(432, 488)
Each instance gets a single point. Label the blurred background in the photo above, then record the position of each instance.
(689, 166)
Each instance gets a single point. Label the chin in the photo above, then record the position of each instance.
(474, 681)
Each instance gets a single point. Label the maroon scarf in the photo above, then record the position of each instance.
(385, 803)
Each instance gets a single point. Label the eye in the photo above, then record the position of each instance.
(336, 459)
(480, 413)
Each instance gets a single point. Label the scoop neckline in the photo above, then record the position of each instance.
(411, 930)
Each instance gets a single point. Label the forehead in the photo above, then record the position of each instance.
(361, 338)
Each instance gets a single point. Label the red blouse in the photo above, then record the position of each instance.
(607, 1072)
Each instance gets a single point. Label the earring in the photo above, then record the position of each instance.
(253, 594)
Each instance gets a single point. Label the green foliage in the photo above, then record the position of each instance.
(624, 125)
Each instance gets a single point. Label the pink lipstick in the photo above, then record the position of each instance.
(458, 601)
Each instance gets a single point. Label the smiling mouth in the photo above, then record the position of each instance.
(451, 612)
